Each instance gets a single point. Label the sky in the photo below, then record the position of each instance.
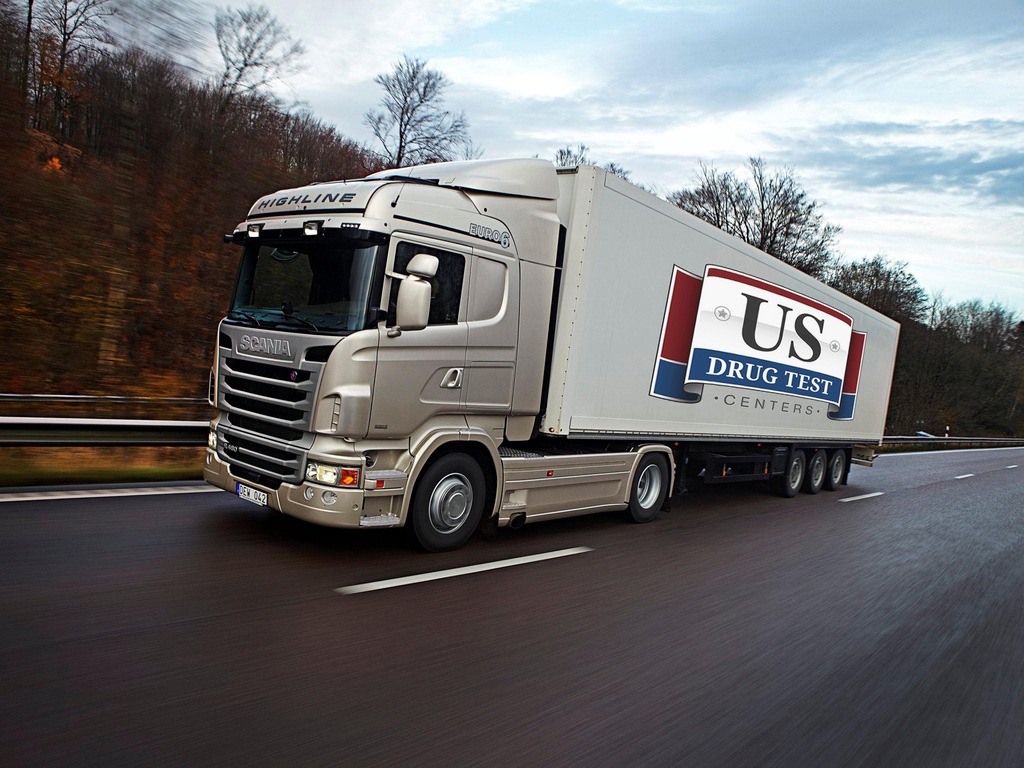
(905, 120)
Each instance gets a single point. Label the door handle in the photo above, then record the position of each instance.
(452, 379)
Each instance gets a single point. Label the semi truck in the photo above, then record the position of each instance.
(476, 344)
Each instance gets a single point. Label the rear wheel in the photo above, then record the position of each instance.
(788, 485)
(650, 486)
(836, 470)
(816, 469)
(448, 503)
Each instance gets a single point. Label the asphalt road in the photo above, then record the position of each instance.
(740, 629)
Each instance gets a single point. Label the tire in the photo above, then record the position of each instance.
(788, 485)
(817, 467)
(649, 488)
(835, 471)
(448, 503)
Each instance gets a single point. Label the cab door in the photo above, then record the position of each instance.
(493, 333)
(420, 373)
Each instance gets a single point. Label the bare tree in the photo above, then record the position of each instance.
(771, 212)
(171, 29)
(75, 25)
(570, 156)
(412, 125)
(885, 286)
(256, 48)
(27, 51)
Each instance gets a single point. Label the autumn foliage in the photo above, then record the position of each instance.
(118, 183)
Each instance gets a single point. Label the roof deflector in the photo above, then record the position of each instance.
(522, 178)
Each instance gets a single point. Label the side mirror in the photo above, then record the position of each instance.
(422, 265)
(412, 310)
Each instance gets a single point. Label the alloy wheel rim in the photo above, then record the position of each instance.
(796, 475)
(649, 486)
(837, 470)
(818, 472)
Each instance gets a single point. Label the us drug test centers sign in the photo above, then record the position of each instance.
(740, 331)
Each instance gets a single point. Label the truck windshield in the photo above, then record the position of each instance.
(302, 285)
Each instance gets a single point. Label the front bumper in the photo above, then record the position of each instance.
(354, 507)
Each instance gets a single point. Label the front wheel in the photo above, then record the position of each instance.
(649, 488)
(448, 503)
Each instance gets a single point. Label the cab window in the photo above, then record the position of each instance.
(446, 285)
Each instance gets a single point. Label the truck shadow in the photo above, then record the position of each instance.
(239, 521)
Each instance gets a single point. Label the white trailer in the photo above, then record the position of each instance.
(648, 292)
(495, 343)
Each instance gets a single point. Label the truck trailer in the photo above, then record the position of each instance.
(493, 343)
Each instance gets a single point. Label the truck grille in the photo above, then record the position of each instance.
(264, 428)
(268, 404)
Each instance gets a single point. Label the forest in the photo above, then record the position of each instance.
(122, 169)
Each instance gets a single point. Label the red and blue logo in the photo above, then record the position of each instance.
(737, 330)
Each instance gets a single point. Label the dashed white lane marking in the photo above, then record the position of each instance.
(961, 477)
(864, 496)
(372, 586)
(105, 493)
(1011, 466)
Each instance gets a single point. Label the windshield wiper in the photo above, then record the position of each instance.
(246, 315)
(301, 319)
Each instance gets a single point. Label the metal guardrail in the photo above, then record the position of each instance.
(904, 440)
(53, 432)
(12, 397)
(84, 432)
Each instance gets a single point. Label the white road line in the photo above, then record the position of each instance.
(865, 496)
(961, 477)
(1011, 466)
(372, 586)
(105, 493)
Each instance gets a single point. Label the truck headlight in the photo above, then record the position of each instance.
(326, 474)
(331, 475)
(211, 440)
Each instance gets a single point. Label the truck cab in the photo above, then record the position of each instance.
(380, 322)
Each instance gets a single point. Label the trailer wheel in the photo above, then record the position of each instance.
(816, 470)
(836, 470)
(448, 503)
(788, 485)
(649, 488)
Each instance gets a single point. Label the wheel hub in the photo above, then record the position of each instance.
(450, 503)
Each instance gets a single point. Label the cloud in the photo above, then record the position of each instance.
(904, 119)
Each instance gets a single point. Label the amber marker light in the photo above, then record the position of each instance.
(349, 477)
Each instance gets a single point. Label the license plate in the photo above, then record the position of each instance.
(251, 494)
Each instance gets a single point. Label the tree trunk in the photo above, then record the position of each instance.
(25, 63)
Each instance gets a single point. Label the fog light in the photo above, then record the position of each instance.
(325, 474)
(308, 494)
(254, 230)
(209, 458)
(329, 497)
(311, 471)
(311, 228)
(211, 440)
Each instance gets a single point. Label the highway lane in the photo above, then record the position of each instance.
(740, 629)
